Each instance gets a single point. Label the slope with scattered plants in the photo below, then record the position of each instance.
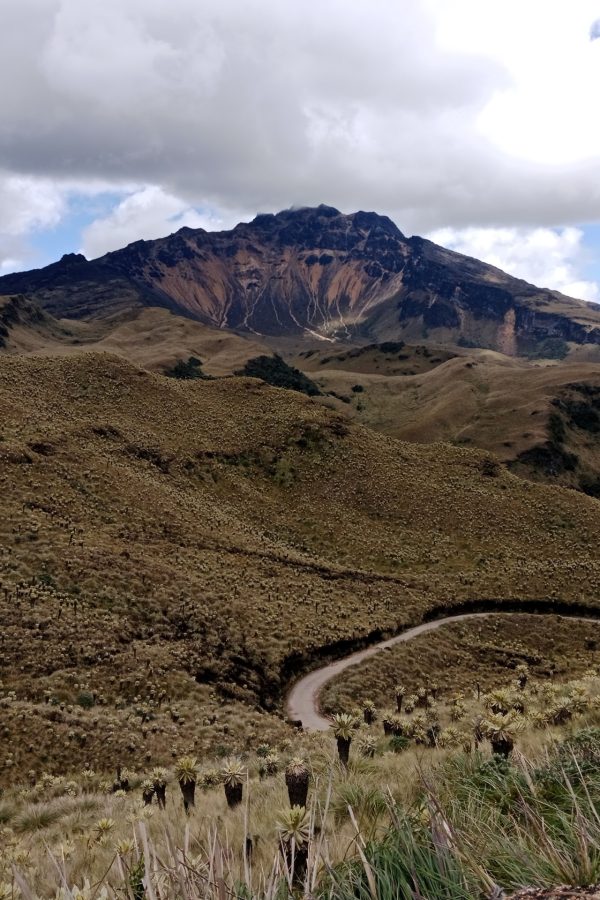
(455, 799)
(174, 551)
(541, 419)
(471, 655)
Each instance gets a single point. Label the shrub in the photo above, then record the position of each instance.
(391, 347)
(85, 699)
(192, 368)
(490, 467)
(549, 348)
(275, 371)
(584, 746)
(584, 416)
(398, 743)
(478, 779)
(556, 428)
(590, 485)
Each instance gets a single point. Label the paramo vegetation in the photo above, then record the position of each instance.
(456, 799)
(173, 552)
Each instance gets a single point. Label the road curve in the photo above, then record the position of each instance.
(303, 700)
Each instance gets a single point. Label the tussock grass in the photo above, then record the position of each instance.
(453, 840)
(7, 812)
(34, 817)
(461, 656)
(152, 559)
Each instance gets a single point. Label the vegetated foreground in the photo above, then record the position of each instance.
(450, 798)
(173, 552)
(457, 651)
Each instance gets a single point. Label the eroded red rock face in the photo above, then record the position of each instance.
(314, 271)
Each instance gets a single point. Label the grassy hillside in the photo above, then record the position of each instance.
(416, 392)
(476, 399)
(387, 358)
(452, 801)
(153, 338)
(460, 656)
(173, 551)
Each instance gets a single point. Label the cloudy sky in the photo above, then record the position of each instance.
(474, 122)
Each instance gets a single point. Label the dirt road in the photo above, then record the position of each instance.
(303, 700)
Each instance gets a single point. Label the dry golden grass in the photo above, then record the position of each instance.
(421, 393)
(482, 399)
(74, 828)
(479, 398)
(87, 830)
(373, 359)
(152, 338)
(462, 655)
(209, 539)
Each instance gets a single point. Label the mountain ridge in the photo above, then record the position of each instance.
(315, 271)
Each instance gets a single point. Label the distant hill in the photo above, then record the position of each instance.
(318, 272)
(153, 338)
(542, 419)
(21, 318)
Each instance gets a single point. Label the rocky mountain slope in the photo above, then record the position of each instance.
(316, 271)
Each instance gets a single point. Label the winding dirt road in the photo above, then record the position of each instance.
(303, 700)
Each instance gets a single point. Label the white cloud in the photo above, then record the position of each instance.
(543, 256)
(257, 104)
(12, 255)
(544, 111)
(27, 205)
(147, 213)
(436, 112)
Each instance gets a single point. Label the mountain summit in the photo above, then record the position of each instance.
(316, 271)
